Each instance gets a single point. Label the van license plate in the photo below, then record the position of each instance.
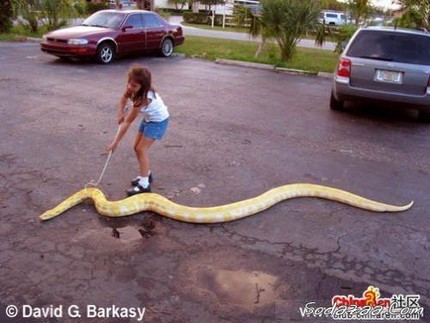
(389, 76)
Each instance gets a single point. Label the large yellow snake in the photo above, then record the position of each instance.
(224, 213)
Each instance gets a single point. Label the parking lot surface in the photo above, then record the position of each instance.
(234, 133)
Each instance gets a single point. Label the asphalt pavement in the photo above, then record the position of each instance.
(235, 133)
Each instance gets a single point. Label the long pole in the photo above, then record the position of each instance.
(213, 17)
(223, 16)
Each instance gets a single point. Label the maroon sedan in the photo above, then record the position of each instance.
(110, 33)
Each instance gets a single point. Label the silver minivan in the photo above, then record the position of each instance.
(387, 65)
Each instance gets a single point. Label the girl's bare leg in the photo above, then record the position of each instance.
(141, 148)
(139, 137)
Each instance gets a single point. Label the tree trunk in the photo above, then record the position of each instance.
(145, 5)
(261, 44)
(6, 13)
(286, 51)
(140, 4)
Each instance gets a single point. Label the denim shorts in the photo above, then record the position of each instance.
(154, 130)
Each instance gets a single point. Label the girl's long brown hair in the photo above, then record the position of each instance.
(142, 76)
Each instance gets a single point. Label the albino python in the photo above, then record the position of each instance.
(224, 213)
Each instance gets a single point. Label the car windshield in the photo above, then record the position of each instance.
(104, 19)
(389, 46)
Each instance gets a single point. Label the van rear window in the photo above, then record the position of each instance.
(390, 46)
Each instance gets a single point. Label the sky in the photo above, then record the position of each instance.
(385, 4)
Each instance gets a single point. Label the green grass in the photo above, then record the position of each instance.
(329, 37)
(19, 32)
(227, 28)
(314, 60)
(11, 37)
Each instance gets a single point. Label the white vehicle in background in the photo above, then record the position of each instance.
(334, 18)
(376, 21)
(123, 4)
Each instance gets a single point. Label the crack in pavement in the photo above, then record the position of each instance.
(340, 265)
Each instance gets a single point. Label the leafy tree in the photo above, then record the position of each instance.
(285, 21)
(57, 11)
(360, 9)
(145, 4)
(28, 12)
(344, 35)
(179, 4)
(416, 14)
(332, 5)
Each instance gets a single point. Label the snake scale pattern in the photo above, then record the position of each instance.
(217, 214)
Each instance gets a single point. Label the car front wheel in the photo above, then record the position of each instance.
(167, 47)
(336, 104)
(105, 53)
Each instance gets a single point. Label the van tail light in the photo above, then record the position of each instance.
(428, 87)
(343, 71)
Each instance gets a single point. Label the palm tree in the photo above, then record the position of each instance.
(416, 14)
(285, 21)
(54, 11)
(146, 4)
(360, 9)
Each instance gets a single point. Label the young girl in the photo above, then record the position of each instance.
(152, 127)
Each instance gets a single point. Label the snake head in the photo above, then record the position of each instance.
(47, 215)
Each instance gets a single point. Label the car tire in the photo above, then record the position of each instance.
(336, 104)
(105, 53)
(167, 47)
(424, 116)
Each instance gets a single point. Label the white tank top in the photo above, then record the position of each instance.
(156, 110)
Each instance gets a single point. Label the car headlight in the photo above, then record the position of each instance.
(77, 41)
(45, 38)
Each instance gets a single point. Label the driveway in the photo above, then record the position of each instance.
(235, 133)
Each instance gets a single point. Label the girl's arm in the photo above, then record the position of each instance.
(123, 127)
(121, 107)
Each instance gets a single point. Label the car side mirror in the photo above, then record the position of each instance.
(127, 27)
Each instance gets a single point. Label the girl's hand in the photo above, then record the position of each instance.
(112, 147)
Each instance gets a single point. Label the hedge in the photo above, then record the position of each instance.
(176, 11)
(202, 18)
(94, 7)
